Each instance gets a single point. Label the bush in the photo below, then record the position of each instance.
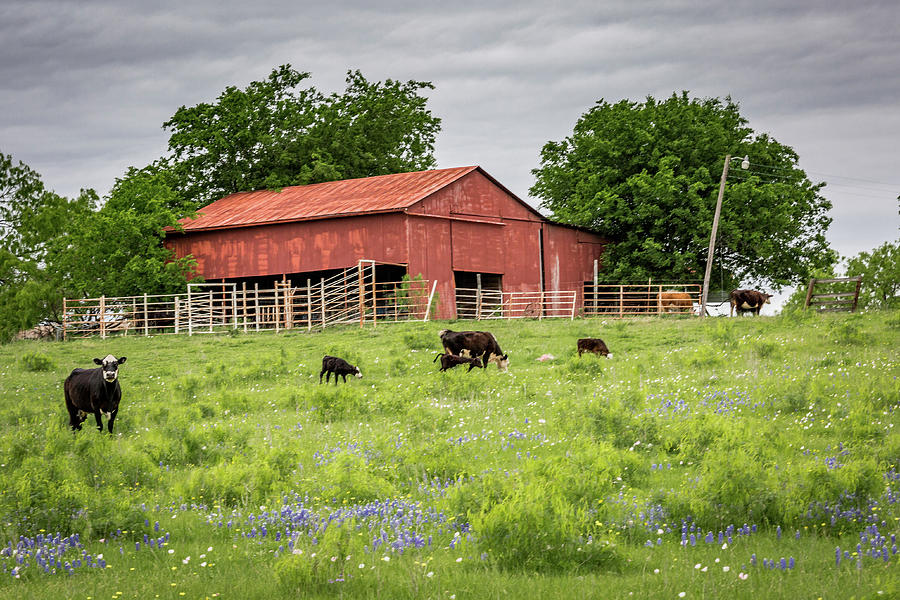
(36, 361)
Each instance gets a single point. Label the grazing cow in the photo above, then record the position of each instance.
(94, 391)
(595, 345)
(747, 301)
(448, 361)
(672, 301)
(477, 344)
(338, 366)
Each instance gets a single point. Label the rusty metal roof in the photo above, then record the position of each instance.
(383, 193)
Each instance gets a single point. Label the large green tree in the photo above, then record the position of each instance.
(276, 133)
(33, 220)
(117, 249)
(645, 175)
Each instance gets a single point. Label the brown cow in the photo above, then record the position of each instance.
(747, 301)
(477, 344)
(595, 345)
(673, 301)
(448, 361)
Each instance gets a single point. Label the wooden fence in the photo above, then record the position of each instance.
(474, 303)
(623, 300)
(218, 308)
(832, 300)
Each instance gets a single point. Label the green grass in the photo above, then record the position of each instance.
(573, 477)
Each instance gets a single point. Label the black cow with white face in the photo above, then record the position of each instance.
(94, 391)
(338, 366)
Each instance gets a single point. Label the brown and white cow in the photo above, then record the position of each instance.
(477, 344)
(747, 301)
(595, 345)
(674, 301)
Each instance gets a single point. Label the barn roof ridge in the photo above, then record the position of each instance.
(347, 197)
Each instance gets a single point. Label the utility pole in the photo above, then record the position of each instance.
(712, 236)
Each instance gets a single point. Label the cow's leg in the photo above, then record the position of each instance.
(111, 420)
(320, 376)
(99, 420)
(75, 417)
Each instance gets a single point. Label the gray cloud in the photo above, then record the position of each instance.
(88, 84)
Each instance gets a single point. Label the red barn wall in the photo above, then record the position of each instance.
(294, 247)
(569, 256)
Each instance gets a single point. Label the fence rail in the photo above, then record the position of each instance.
(218, 308)
(473, 303)
(833, 300)
(624, 300)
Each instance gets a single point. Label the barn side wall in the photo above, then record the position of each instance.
(294, 247)
(569, 256)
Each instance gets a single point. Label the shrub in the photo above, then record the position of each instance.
(36, 361)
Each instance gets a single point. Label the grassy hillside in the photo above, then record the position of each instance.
(738, 458)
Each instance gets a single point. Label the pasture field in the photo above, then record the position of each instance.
(717, 458)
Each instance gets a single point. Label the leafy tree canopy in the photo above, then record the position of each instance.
(118, 249)
(32, 219)
(646, 176)
(275, 133)
(880, 270)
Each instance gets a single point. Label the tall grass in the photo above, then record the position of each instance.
(694, 461)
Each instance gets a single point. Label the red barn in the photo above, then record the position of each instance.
(447, 224)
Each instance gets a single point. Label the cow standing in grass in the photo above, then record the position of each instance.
(594, 345)
(747, 301)
(338, 366)
(477, 344)
(94, 391)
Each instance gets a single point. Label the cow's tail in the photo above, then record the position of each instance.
(437, 357)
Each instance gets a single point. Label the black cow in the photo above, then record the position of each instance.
(477, 344)
(448, 361)
(94, 391)
(595, 345)
(338, 366)
(747, 301)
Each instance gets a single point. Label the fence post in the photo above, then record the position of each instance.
(809, 291)
(256, 304)
(374, 298)
(146, 317)
(322, 296)
(190, 316)
(277, 310)
(362, 305)
(309, 305)
(430, 296)
(210, 311)
(478, 297)
(102, 317)
(234, 312)
(856, 293)
(574, 298)
(65, 317)
(177, 313)
(244, 303)
(621, 300)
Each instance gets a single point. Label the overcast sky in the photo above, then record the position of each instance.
(85, 85)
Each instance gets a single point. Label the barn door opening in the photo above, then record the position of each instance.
(478, 295)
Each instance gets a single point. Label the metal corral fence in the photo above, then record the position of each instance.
(622, 300)
(473, 303)
(220, 307)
